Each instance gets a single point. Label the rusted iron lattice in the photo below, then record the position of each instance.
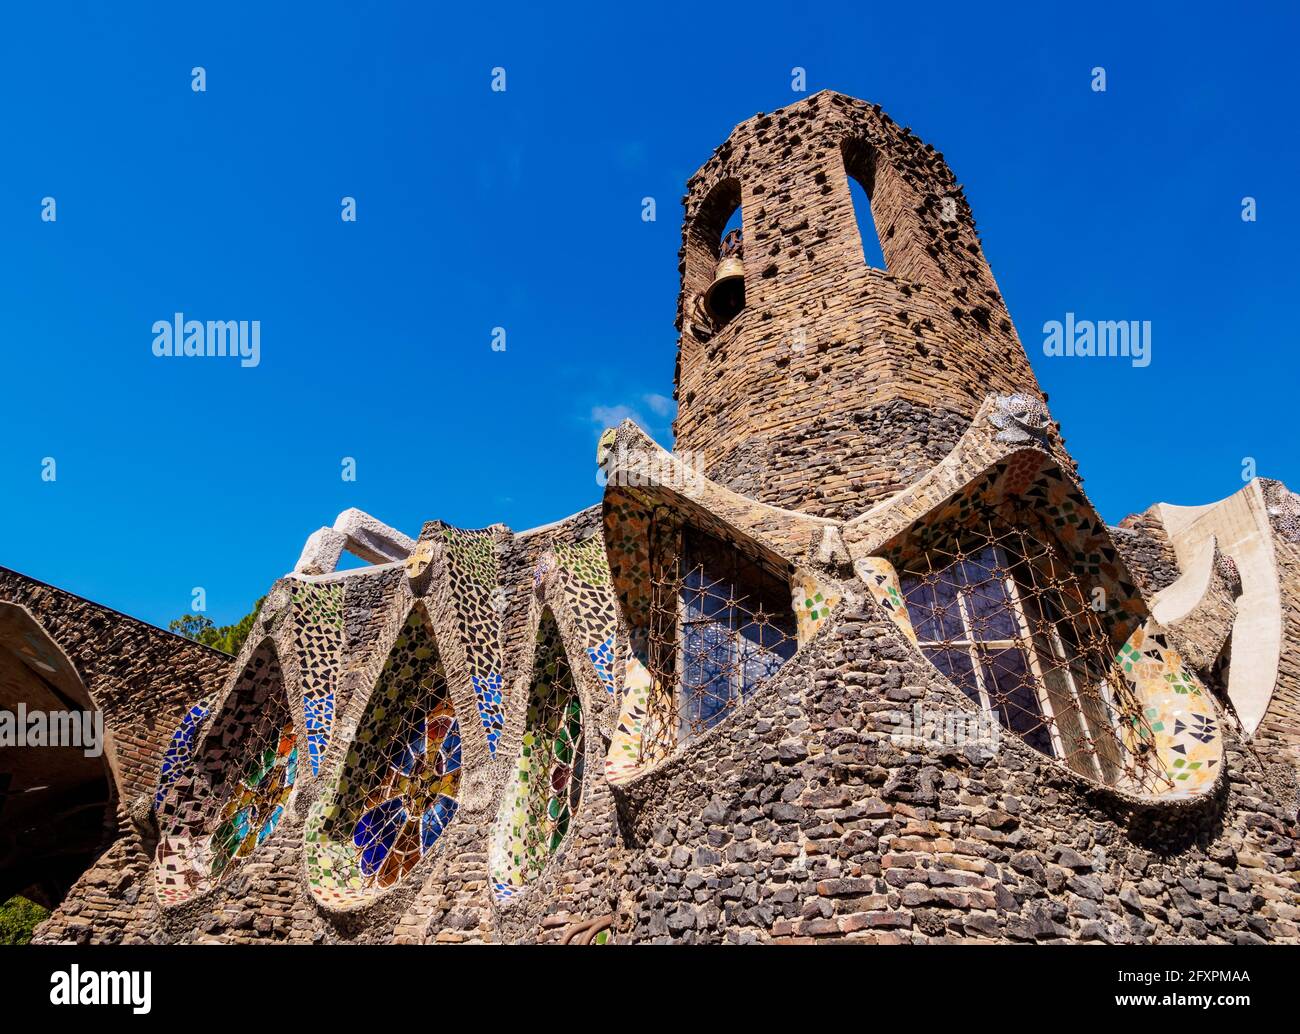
(1000, 612)
(721, 624)
(553, 744)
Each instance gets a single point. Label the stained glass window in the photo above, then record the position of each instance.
(539, 808)
(413, 761)
(252, 812)
(400, 785)
(736, 630)
(231, 797)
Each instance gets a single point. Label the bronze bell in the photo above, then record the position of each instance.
(725, 297)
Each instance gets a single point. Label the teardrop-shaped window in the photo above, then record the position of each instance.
(401, 779)
(233, 797)
(542, 798)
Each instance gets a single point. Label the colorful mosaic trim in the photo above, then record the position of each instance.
(602, 659)
(401, 779)
(585, 559)
(319, 638)
(627, 539)
(1188, 738)
(179, 759)
(590, 595)
(880, 577)
(318, 713)
(231, 797)
(813, 603)
(491, 706)
(624, 759)
(539, 806)
(474, 573)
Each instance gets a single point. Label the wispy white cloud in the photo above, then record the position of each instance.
(612, 416)
(660, 404)
(652, 412)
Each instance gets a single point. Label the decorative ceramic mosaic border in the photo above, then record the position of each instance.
(813, 600)
(880, 577)
(625, 758)
(474, 574)
(1188, 738)
(319, 638)
(178, 760)
(590, 595)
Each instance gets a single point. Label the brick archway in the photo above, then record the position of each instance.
(56, 801)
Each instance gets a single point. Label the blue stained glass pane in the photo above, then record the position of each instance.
(434, 821)
(1014, 701)
(268, 827)
(406, 755)
(707, 663)
(451, 750)
(991, 613)
(703, 597)
(376, 830)
(239, 823)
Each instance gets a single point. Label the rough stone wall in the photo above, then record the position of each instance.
(1149, 555)
(142, 679)
(105, 902)
(140, 676)
(1203, 632)
(807, 370)
(799, 819)
(812, 479)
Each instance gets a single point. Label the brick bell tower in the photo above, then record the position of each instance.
(806, 378)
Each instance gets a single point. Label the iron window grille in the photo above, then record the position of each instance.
(721, 624)
(1004, 617)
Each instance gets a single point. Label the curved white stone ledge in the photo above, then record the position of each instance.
(1241, 527)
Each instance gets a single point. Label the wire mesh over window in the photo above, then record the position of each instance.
(541, 807)
(256, 803)
(1000, 613)
(721, 625)
(401, 780)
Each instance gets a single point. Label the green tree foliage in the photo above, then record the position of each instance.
(226, 638)
(18, 918)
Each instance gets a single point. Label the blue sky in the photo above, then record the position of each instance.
(522, 210)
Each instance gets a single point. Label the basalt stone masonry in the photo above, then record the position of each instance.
(69, 822)
(859, 660)
(800, 383)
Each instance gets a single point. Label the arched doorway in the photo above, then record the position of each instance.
(55, 800)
